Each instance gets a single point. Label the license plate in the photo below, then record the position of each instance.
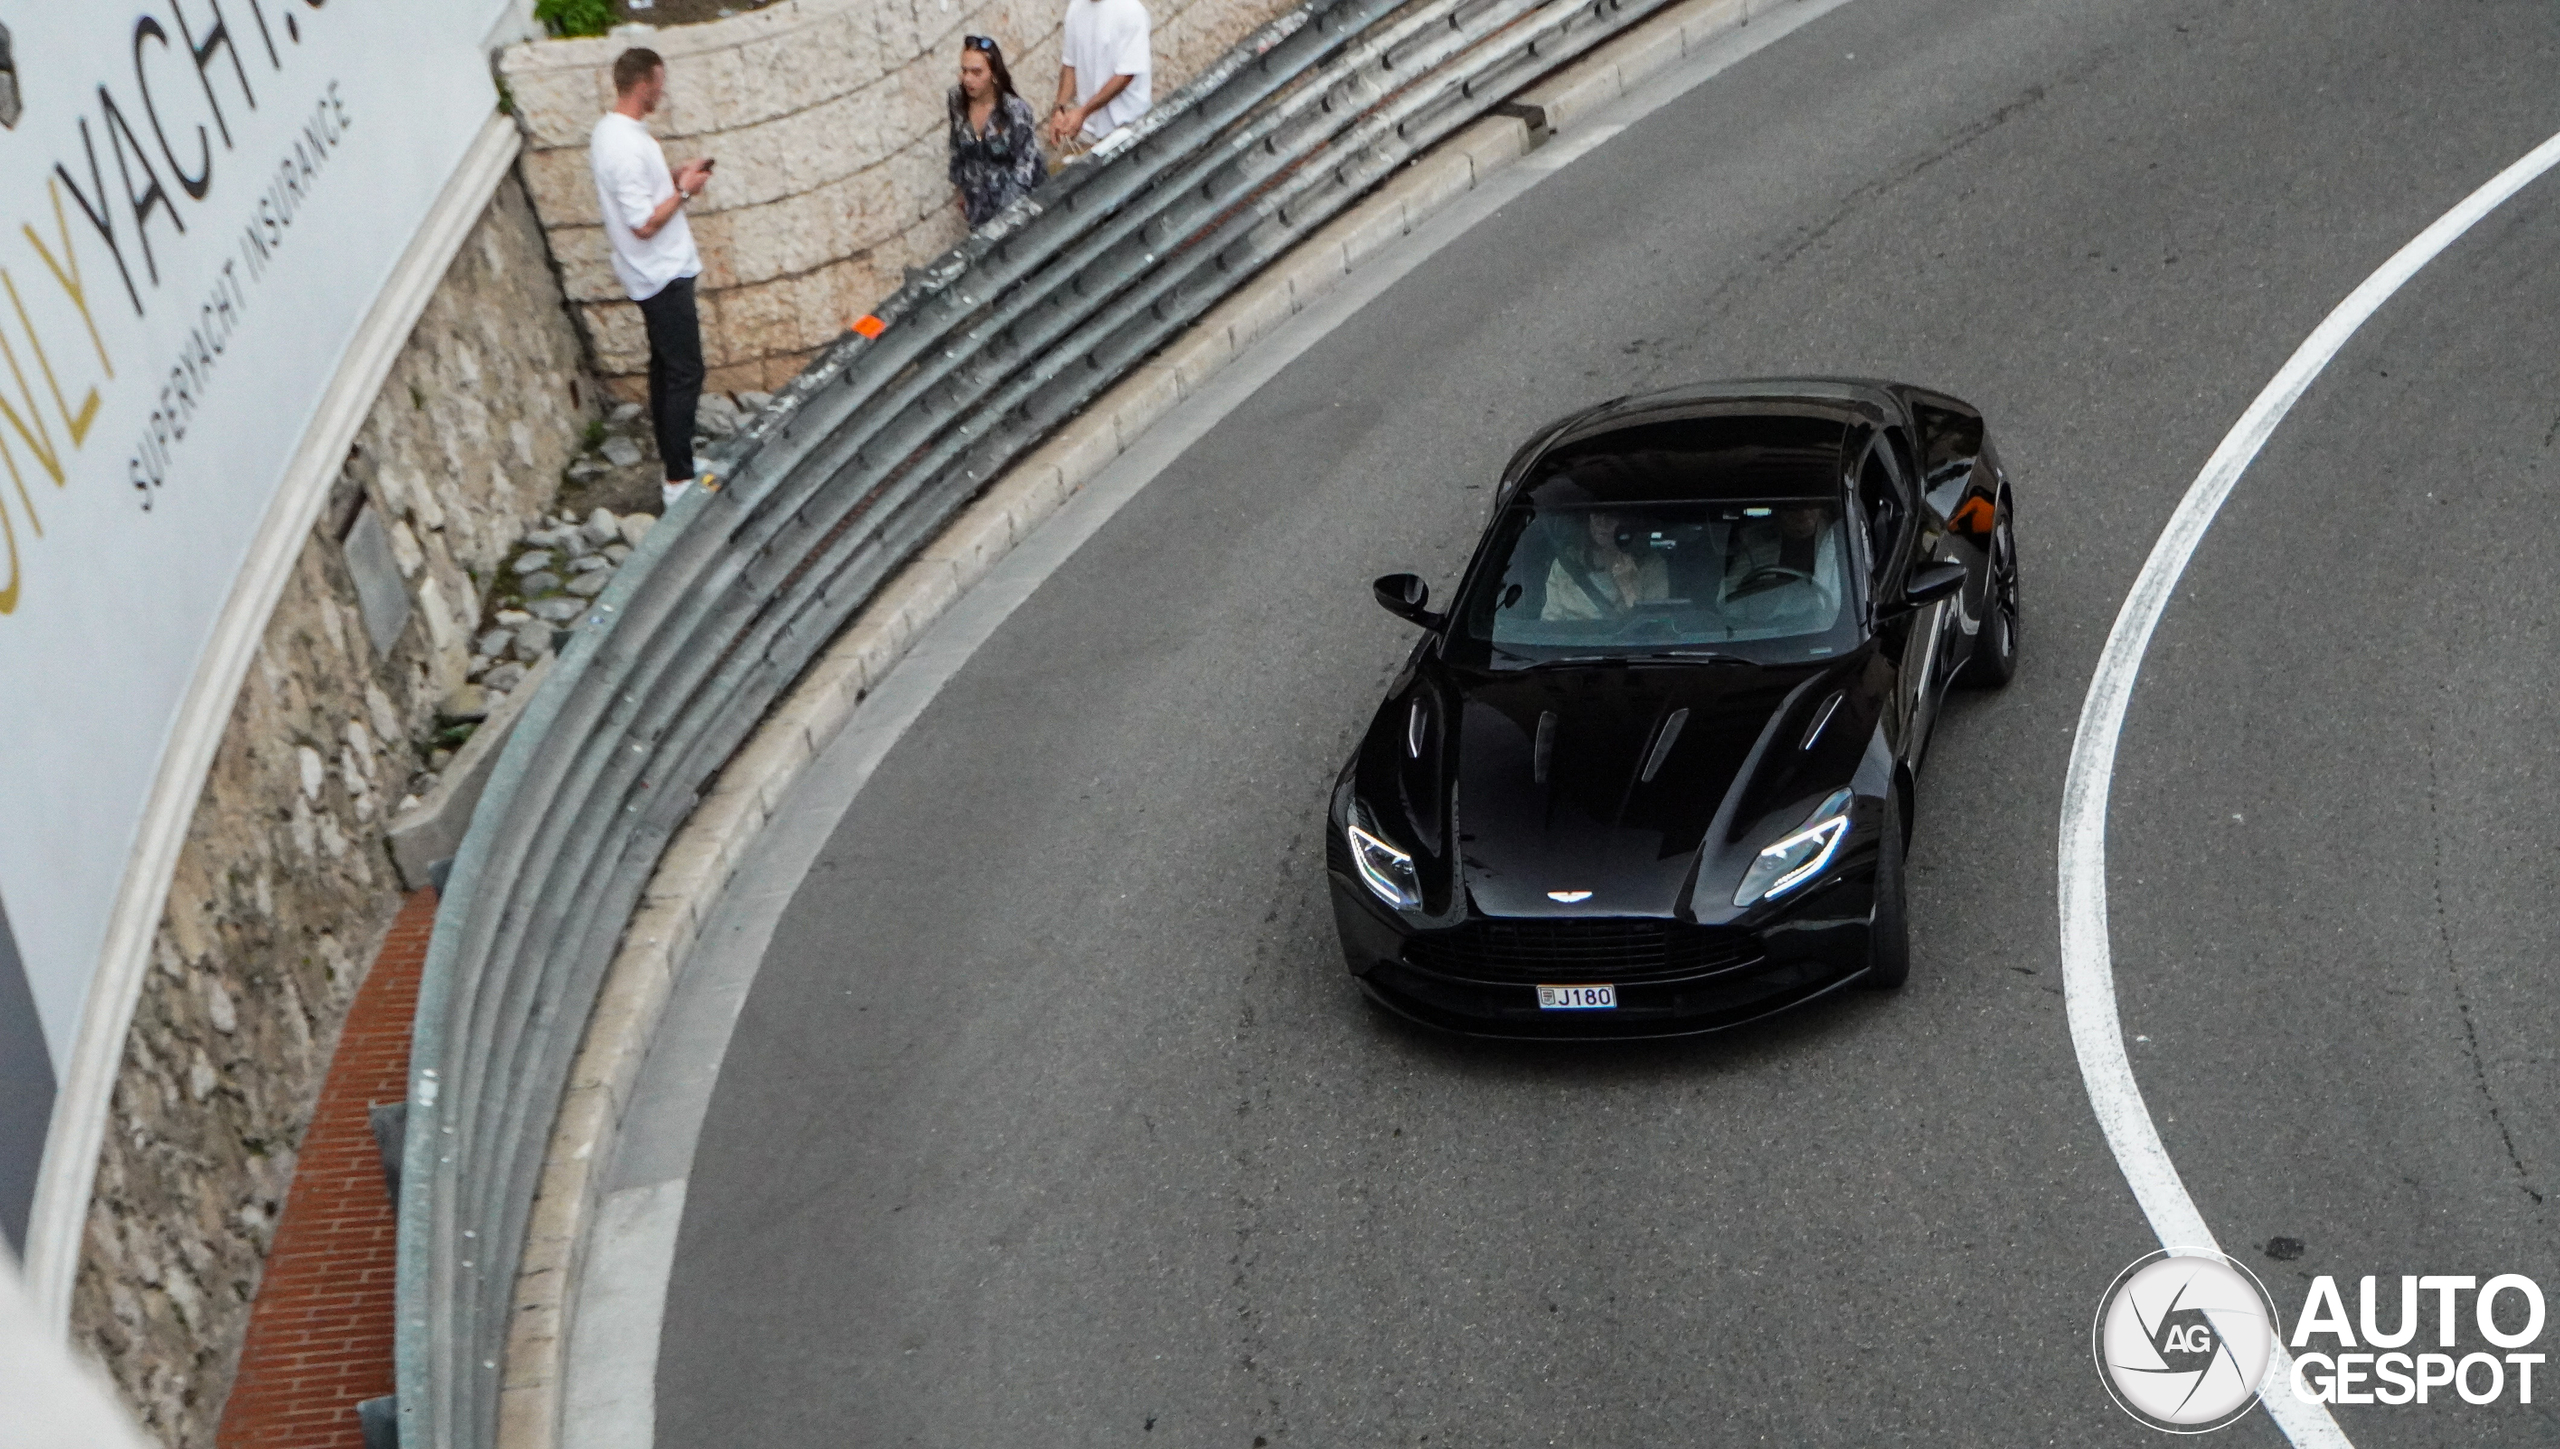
(1577, 998)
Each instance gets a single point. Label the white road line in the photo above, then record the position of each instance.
(2088, 972)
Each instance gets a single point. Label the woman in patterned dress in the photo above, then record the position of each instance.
(995, 152)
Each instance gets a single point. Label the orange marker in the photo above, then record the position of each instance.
(869, 326)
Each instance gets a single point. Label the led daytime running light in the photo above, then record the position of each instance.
(1830, 832)
(1799, 857)
(1385, 870)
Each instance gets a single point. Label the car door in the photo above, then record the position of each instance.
(1924, 640)
(1954, 622)
(1884, 501)
(1957, 486)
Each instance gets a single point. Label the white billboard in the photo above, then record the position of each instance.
(201, 204)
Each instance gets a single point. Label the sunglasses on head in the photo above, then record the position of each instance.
(978, 42)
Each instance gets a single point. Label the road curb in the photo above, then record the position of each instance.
(706, 850)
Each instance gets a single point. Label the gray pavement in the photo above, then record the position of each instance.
(1051, 1116)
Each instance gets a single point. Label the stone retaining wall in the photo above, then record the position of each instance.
(826, 117)
(284, 886)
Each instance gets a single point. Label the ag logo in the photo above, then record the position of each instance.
(2183, 1339)
(2186, 1341)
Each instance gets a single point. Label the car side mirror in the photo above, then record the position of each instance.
(1931, 582)
(1404, 596)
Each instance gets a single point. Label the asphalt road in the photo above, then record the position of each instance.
(1053, 1118)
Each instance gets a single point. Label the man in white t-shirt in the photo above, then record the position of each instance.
(1105, 62)
(653, 252)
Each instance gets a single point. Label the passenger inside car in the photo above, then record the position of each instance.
(1601, 568)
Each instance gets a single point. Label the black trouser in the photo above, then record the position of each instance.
(675, 374)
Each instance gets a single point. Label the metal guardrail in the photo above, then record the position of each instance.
(857, 465)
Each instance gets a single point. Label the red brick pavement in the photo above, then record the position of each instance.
(319, 1339)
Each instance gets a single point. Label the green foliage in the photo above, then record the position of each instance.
(575, 17)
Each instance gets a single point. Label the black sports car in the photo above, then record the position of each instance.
(1652, 773)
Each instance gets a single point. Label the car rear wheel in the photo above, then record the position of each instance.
(1889, 928)
(1995, 653)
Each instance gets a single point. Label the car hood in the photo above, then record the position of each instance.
(1630, 782)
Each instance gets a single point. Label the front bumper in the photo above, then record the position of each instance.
(1706, 980)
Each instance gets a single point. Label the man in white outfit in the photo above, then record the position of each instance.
(1105, 65)
(653, 252)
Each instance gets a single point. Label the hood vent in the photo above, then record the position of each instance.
(1662, 744)
(1822, 717)
(1544, 755)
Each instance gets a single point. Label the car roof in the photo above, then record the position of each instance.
(1756, 438)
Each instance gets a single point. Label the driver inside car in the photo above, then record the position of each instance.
(1596, 574)
(1789, 539)
(1783, 569)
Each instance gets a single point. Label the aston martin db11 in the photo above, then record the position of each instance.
(1651, 773)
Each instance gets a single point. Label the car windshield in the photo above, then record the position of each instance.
(1765, 581)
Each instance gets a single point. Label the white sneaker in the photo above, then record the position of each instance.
(668, 493)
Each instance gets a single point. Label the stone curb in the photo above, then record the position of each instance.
(706, 850)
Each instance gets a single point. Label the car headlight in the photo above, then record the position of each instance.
(1801, 856)
(1385, 870)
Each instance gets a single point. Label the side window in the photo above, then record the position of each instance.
(1900, 462)
(1950, 441)
(1880, 499)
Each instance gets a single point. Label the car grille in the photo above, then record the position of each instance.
(1567, 950)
